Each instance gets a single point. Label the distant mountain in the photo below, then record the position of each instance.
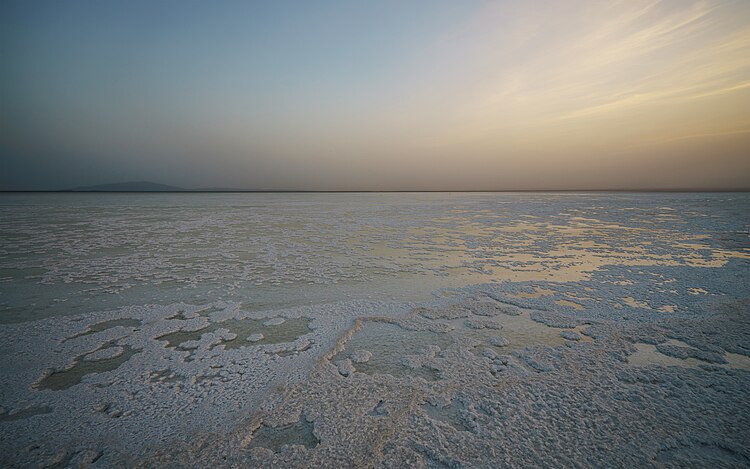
(132, 186)
(220, 189)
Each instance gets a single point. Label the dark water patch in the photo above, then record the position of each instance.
(390, 344)
(110, 324)
(449, 414)
(61, 380)
(275, 438)
(288, 331)
(176, 339)
(25, 413)
(27, 273)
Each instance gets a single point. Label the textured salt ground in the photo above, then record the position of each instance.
(574, 404)
(390, 384)
(164, 391)
(446, 397)
(615, 335)
(70, 255)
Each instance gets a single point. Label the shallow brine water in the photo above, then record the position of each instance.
(64, 254)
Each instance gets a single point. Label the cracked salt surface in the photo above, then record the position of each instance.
(299, 331)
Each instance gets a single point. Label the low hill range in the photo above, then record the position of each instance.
(131, 186)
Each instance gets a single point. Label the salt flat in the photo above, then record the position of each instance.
(518, 330)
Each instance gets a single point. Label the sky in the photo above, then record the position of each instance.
(376, 95)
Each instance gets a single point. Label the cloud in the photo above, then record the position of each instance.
(521, 93)
(609, 60)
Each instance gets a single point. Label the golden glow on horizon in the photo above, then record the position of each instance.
(626, 94)
(508, 95)
(633, 62)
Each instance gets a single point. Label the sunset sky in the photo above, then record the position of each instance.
(376, 95)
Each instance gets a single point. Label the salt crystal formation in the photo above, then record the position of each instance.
(481, 330)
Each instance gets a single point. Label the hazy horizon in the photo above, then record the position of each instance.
(135, 186)
(422, 95)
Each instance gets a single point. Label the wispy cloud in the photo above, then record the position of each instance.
(523, 92)
(620, 57)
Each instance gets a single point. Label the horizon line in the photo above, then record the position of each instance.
(302, 191)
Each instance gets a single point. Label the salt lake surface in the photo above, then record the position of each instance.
(421, 329)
